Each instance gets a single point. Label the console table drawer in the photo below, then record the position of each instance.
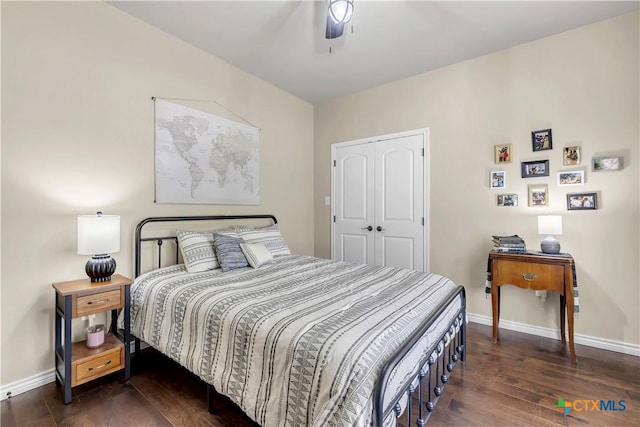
(530, 276)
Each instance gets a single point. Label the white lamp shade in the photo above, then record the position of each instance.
(98, 234)
(550, 224)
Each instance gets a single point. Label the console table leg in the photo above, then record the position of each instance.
(563, 307)
(572, 348)
(495, 307)
(569, 302)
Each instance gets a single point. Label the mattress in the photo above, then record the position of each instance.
(300, 341)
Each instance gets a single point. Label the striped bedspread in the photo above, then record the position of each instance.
(298, 342)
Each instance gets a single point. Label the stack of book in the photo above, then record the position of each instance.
(509, 244)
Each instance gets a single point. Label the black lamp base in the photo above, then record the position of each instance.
(100, 268)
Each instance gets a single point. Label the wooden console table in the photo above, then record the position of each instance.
(536, 271)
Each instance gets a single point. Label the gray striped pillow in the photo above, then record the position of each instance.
(197, 251)
(268, 236)
(256, 253)
(229, 253)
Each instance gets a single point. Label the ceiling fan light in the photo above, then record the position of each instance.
(340, 11)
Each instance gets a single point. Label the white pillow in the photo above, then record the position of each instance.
(197, 250)
(270, 237)
(257, 254)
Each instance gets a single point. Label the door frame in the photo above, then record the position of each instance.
(424, 132)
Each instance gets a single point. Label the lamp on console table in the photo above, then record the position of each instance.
(99, 235)
(550, 225)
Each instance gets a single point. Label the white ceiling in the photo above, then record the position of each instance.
(283, 42)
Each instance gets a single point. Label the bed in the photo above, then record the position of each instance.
(298, 340)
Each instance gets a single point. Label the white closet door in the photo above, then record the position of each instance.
(399, 203)
(379, 194)
(353, 204)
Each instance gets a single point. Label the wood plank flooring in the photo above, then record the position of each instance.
(516, 382)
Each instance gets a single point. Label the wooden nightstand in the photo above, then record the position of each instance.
(77, 364)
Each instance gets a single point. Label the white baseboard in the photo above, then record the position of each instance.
(26, 384)
(601, 343)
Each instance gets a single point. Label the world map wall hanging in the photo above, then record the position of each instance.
(204, 159)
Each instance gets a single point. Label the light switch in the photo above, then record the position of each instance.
(327, 201)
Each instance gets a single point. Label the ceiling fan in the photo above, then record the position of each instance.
(339, 13)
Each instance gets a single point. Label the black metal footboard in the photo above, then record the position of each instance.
(434, 369)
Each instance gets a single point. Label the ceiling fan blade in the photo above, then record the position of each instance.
(333, 29)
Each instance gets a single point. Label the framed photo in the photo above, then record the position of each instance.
(541, 140)
(571, 178)
(571, 155)
(607, 164)
(503, 153)
(538, 195)
(582, 201)
(497, 179)
(534, 169)
(507, 200)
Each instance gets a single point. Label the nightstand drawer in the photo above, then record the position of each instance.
(531, 276)
(105, 363)
(99, 302)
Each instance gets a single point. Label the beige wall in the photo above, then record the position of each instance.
(77, 137)
(584, 85)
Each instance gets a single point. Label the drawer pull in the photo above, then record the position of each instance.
(98, 302)
(529, 277)
(101, 366)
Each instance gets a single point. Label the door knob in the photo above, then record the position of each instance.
(379, 228)
(369, 228)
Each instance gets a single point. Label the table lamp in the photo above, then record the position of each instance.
(99, 236)
(550, 225)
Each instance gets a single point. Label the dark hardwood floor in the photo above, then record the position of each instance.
(514, 383)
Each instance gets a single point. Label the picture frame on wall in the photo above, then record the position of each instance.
(570, 178)
(507, 200)
(503, 153)
(582, 201)
(600, 164)
(534, 169)
(497, 179)
(571, 155)
(538, 195)
(541, 140)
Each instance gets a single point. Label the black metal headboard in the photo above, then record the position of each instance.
(159, 240)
